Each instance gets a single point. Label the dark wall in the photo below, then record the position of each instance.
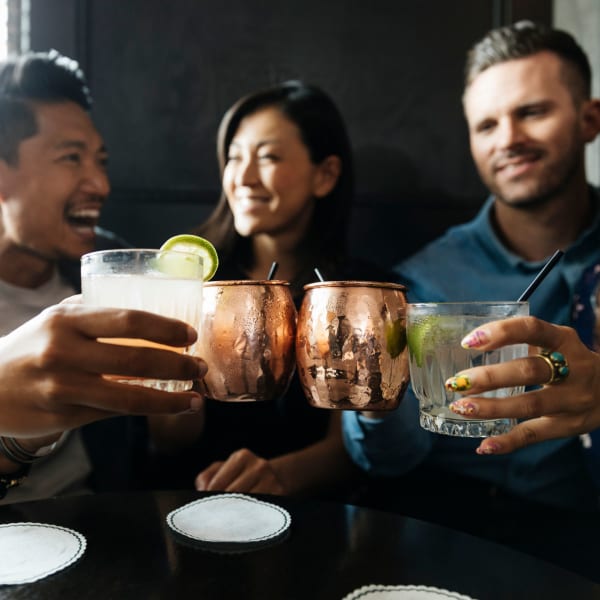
(163, 73)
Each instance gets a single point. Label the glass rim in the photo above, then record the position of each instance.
(240, 282)
(99, 253)
(355, 283)
(472, 302)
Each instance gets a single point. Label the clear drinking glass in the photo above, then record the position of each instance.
(167, 283)
(434, 333)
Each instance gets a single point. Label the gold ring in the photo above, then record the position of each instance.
(559, 368)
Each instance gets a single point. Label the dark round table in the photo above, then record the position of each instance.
(331, 550)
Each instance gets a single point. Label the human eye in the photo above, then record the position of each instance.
(485, 126)
(103, 161)
(533, 111)
(72, 158)
(268, 157)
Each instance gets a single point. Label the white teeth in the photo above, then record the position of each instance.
(85, 213)
(247, 202)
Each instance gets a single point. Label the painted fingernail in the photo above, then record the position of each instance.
(488, 447)
(458, 383)
(476, 338)
(464, 407)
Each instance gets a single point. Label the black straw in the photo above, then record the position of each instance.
(540, 276)
(272, 270)
(318, 274)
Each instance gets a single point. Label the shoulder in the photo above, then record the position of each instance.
(364, 270)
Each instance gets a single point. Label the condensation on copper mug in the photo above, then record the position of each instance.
(351, 345)
(247, 339)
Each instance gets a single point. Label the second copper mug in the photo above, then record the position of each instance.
(247, 339)
(351, 345)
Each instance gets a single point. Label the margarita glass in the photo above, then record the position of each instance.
(168, 283)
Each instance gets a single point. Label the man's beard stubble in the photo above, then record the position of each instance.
(546, 191)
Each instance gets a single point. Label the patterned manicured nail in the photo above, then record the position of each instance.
(458, 383)
(488, 447)
(464, 407)
(475, 339)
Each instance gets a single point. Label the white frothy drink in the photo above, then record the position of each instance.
(153, 291)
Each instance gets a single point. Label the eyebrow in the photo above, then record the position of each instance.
(77, 145)
(261, 143)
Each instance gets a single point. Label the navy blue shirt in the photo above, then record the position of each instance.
(470, 262)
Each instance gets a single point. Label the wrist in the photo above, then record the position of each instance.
(39, 445)
(16, 460)
(21, 452)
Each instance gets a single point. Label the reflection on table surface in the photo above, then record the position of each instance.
(331, 550)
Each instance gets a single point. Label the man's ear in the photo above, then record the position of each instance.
(327, 175)
(5, 174)
(591, 120)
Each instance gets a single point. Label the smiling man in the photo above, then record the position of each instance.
(530, 115)
(53, 183)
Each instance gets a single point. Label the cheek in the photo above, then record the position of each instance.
(227, 181)
(291, 183)
(479, 152)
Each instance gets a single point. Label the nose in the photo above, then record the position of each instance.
(96, 180)
(246, 173)
(510, 133)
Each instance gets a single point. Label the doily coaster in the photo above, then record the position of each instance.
(32, 551)
(230, 522)
(403, 592)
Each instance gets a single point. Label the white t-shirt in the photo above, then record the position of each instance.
(66, 469)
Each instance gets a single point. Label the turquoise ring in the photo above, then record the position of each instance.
(559, 368)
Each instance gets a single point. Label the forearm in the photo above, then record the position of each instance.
(390, 444)
(323, 465)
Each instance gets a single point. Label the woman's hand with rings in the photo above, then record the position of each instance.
(569, 401)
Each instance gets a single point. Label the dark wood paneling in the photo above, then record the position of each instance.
(162, 74)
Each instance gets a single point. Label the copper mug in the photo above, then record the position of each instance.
(247, 338)
(351, 345)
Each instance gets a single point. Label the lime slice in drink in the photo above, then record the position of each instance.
(431, 331)
(192, 244)
(395, 337)
(420, 335)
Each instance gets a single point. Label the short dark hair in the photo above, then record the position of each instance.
(526, 38)
(46, 77)
(324, 134)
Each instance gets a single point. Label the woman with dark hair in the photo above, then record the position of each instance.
(288, 182)
(321, 233)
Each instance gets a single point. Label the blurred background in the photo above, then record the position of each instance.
(163, 73)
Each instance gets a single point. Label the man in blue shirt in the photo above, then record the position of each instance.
(529, 113)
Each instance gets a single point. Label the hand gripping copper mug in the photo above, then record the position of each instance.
(351, 345)
(247, 338)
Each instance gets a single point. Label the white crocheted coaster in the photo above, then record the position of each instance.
(32, 551)
(403, 592)
(230, 521)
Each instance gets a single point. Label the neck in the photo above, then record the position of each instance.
(534, 233)
(22, 268)
(283, 249)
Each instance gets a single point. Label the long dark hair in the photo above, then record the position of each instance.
(324, 133)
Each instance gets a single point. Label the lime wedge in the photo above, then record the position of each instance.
(395, 337)
(431, 331)
(418, 337)
(193, 244)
